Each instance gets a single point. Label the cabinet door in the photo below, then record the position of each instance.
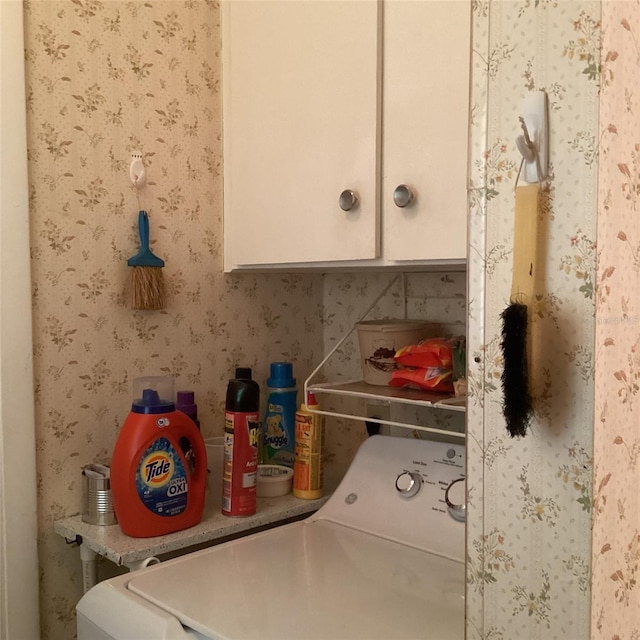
(301, 124)
(425, 128)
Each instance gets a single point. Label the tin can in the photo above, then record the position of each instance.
(97, 501)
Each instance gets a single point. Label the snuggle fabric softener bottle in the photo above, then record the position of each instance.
(279, 427)
(159, 464)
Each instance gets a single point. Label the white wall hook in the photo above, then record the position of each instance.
(525, 149)
(533, 144)
(137, 172)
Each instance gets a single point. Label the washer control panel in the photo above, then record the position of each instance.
(396, 488)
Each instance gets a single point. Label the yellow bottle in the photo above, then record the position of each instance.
(307, 466)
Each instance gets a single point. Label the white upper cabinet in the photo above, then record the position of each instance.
(329, 105)
(427, 51)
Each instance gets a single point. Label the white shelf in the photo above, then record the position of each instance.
(123, 550)
(389, 395)
(360, 389)
(382, 394)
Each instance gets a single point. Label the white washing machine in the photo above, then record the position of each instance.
(383, 558)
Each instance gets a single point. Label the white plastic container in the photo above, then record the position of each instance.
(273, 480)
(380, 339)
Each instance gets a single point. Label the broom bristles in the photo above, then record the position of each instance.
(147, 288)
(517, 408)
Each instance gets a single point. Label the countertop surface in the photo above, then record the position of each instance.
(110, 542)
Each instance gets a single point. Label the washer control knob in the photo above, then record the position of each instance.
(408, 483)
(458, 509)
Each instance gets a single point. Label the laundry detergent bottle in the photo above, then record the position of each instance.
(159, 464)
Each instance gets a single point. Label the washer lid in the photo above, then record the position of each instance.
(310, 580)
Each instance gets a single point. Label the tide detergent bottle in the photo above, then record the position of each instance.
(159, 464)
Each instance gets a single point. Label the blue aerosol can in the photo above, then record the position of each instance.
(279, 425)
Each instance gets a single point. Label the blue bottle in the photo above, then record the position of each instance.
(279, 426)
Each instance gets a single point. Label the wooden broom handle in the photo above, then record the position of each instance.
(525, 241)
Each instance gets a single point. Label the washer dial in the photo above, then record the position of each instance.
(408, 483)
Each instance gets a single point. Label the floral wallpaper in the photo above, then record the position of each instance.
(616, 528)
(553, 542)
(532, 499)
(106, 79)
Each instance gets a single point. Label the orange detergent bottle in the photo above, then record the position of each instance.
(159, 464)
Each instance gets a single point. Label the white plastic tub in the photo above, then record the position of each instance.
(380, 339)
(273, 480)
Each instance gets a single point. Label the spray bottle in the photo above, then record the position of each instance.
(241, 439)
(307, 468)
(279, 427)
(156, 487)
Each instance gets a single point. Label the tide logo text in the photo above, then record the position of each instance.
(157, 469)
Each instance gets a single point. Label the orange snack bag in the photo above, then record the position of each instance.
(427, 379)
(432, 352)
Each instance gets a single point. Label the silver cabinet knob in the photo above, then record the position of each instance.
(402, 196)
(408, 484)
(348, 200)
(458, 509)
